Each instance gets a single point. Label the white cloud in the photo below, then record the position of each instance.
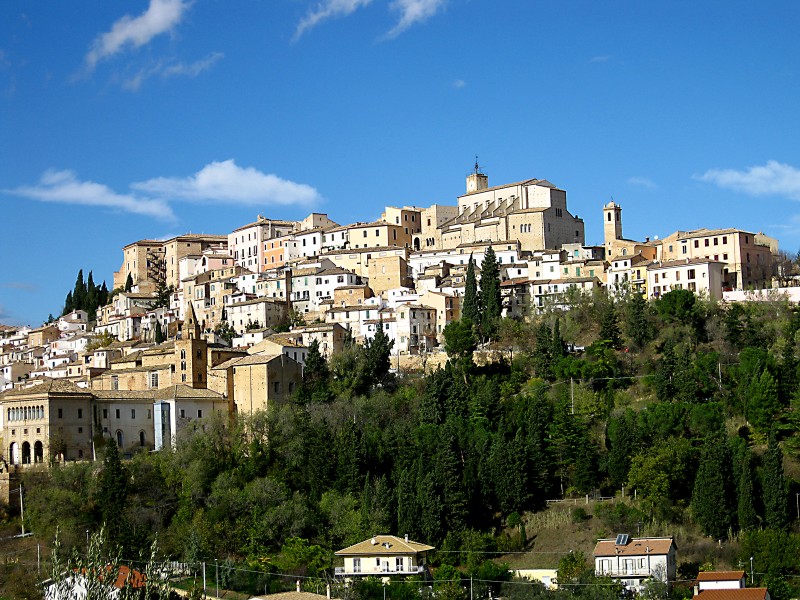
(64, 187)
(642, 182)
(771, 179)
(413, 12)
(459, 83)
(168, 70)
(227, 182)
(327, 9)
(160, 17)
(600, 59)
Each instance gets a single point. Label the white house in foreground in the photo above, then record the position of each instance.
(633, 560)
(384, 555)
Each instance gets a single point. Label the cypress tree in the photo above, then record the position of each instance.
(745, 494)
(559, 347)
(491, 305)
(638, 327)
(159, 335)
(609, 326)
(69, 304)
(773, 486)
(113, 494)
(315, 375)
(711, 496)
(470, 308)
(79, 293)
(129, 283)
(542, 352)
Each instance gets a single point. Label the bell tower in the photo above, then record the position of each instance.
(477, 181)
(612, 226)
(191, 352)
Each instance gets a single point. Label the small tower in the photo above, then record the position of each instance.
(191, 353)
(612, 225)
(477, 181)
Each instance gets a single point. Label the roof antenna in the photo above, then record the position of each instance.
(477, 168)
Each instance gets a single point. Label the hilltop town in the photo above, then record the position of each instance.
(268, 362)
(199, 324)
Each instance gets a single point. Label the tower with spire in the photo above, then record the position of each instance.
(191, 352)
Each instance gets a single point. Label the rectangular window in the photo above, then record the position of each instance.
(199, 413)
(80, 413)
(114, 382)
(105, 413)
(356, 565)
(154, 380)
(133, 413)
(117, 413)
(60, 413)
(697, 243)
(276, 387)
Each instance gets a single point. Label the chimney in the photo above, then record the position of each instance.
(374, 541)
(696, 589)
(406, 538)
(298, 586)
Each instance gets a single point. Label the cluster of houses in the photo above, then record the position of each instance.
(632, 562)
(243, 308)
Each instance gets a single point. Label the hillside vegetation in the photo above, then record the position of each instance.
(691, 405)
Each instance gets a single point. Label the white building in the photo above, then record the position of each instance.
(633, 560)
(698, 275)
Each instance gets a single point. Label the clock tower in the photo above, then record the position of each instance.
(477, 181)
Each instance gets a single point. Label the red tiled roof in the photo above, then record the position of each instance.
(635, 547)
(720, 575)
(735, 594)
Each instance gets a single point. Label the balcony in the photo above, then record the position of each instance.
(415, 570)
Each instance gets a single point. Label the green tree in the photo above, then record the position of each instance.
(459, 340)
(316, 376)
(470, 307)
(638, 325)
(713, 490)
(542, 355)
(609, 325)
(491, 305)
(112, 494)
(377, 355)
(745, 492)
(159, 334)
(128, 283)
(773, 485)
(762, 402)
(225, 331)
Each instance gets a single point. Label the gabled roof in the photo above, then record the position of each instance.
(49, 386)
(720, 575)
(735, 594)
(378, 545)
(635, 547)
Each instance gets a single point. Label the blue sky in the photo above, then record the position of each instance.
(150, 118)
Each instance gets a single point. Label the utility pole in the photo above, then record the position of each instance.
(216, 563)
(572, 393)
(21, 511)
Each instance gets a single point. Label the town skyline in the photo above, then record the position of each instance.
(123, 124)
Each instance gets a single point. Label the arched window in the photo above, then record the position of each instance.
(141, 439)
(119, 438)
